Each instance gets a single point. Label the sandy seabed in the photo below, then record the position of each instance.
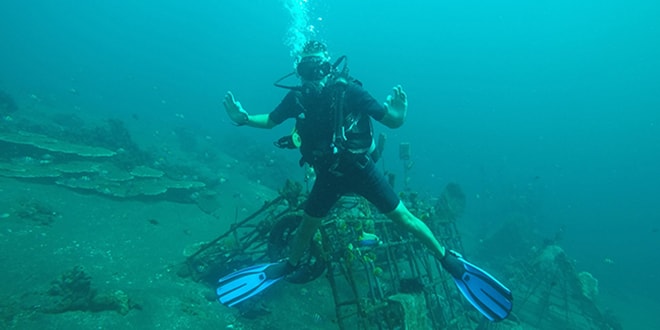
(133, 246)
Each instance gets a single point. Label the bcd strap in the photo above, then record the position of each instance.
(339, 134)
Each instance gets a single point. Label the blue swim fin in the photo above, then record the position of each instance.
(244, 284)
(482, 290)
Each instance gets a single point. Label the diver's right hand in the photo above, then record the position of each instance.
(234, 109)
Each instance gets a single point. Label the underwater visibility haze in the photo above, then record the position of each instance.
(545, 113)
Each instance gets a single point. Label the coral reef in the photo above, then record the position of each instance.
(405, 308)
(556, 296)
(53, 145)
(73, 292)
(589, 285)
(37, 211)
(292, 193)
(83, 167)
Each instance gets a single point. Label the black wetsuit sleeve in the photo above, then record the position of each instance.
(288, 108)
(359, 98)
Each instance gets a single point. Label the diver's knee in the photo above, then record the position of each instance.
(400, 214)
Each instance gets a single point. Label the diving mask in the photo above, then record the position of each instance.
(313, 68)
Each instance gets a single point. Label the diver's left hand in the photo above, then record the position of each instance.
(398, 101)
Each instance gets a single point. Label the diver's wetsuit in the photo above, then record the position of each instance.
(345, 172)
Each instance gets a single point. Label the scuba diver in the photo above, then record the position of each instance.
(335, 136)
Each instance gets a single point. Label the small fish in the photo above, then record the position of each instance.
(369, 240)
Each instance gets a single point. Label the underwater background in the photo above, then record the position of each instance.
(546, 111)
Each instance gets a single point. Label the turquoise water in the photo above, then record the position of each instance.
(546, 108)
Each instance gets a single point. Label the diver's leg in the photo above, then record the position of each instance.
(304, 235)
(418, 228)
(372, 184)
(323, 196)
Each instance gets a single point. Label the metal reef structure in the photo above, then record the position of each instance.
(382, 278)
(405, 286)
